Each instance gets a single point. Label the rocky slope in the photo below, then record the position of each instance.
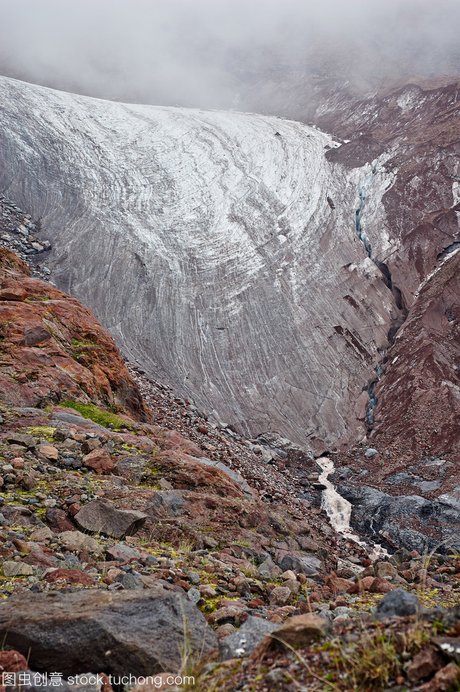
(219, 249)
(113, 530)
(329, 316)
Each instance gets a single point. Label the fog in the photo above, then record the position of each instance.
(221, 53)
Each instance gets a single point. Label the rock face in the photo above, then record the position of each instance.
(408, 521)
(73, 632)
(419, 396)
(208, 244)
(78, 359)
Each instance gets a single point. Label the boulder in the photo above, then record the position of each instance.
(48, 451)
(397, 602)
(303, 563)
(21, 439)
(76, 541)
(102, 517)
(301, 630)
(99, 460)
(16, 569)
(129, 632)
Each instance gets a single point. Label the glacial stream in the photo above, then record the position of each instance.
(338, 510)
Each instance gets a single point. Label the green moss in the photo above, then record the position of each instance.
(83, 343)
(130, 449)
(100, 416)
(44, 431)
(37, 298)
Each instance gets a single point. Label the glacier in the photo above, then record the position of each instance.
(205, 242)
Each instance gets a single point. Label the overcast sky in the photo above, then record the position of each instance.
(198, 52)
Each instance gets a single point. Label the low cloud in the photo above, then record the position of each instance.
(211, 53)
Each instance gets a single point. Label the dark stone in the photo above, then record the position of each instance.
(408, 521)
(129, 581)
(22, 440)
(398, 602)
(304, 563)
(127, 632)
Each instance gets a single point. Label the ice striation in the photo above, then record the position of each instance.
(219, 249)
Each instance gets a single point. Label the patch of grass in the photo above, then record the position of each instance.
(432, 598)
(83, 343)
(374, 660)
(84, 350)
(100, 416)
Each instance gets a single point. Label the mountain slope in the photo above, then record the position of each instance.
(219, 249)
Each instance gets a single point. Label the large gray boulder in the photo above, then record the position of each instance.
(103, 517)
(132, 632)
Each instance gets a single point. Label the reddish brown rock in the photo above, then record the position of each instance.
(58, 520)
(301, 630)
(424, 664)
(12, 662)
(99, 460)
(381, 586)
(71, 576)
(445, 680)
